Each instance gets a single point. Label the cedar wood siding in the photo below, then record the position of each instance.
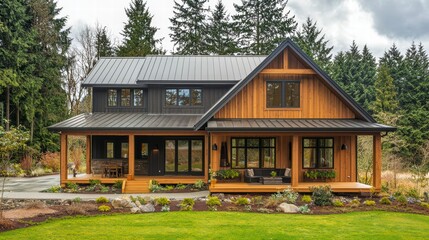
(316, 99)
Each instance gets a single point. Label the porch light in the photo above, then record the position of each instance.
(214, 147)
(344, 147)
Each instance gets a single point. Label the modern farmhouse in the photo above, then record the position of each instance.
(277, 120)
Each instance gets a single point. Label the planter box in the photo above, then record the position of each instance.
(233, 180)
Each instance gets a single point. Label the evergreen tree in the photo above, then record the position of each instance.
(385, 93)
(393, 60)
(310, 40)
(364, 88)
(103, 44)
(189, 27)
(219, 39)
(138, 33)
(262, 25)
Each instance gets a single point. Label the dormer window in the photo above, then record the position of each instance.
(112, 97)
(184, 97)
(125, 97)
(283, 94)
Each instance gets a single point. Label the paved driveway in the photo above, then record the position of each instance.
(33, 184)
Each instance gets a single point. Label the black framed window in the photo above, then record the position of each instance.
(112, 97)
(283, 94)
(138, 97)
(318, 152)
(110, 150)
(125, 97)
(253, 152)
(183, 97)
(184, 156)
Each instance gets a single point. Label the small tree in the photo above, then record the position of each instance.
(10, 143)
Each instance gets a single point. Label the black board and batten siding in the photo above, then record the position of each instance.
(99, 101)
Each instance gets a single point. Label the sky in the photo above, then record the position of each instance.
(378, 24)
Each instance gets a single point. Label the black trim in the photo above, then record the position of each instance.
(283, 92)
(345, 130)
(260, 147)
(176, 156)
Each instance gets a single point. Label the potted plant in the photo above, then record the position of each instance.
(319, 175)
(227, 175)
(273, 174)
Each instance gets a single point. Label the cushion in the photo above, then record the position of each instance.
(287, 172)
(250, 172)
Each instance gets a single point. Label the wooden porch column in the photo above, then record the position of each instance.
(131, 155)
(295, 161)
(63, 159)
(88, 154)
(376, 167)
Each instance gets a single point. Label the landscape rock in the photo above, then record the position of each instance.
(127, 203)
(147, 208)
(135, 210)
(117, 203)
(138, 204)
(288, 208)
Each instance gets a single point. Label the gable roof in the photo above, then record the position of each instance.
(114, 71)
(287, 43)
(164, 69)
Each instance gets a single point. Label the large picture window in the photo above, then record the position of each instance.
(318, 153)
(283, 94)
(183, 97)
(112, 97)
(184, 156)
(253, 152)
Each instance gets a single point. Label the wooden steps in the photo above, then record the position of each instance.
(137, 186)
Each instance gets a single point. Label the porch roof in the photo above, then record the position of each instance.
(127, 121)
(297, 125)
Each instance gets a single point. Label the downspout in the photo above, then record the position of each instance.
(209, 157)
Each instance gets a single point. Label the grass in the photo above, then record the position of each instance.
(231, 225)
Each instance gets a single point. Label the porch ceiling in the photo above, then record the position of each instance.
(126, 121)
(297, 125)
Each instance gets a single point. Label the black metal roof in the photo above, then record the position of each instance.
(287, 43)
(126, 121)
(296, 125)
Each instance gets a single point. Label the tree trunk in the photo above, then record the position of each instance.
(7, 108)
(17, 113)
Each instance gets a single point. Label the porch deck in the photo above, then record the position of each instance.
(349, 187)
(84, 178)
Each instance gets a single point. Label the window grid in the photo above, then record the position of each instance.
(320, 161)
(245, 147)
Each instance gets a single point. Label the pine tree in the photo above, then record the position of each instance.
(385, 93)
(189, 27)
(394, 62)
(364, 92)
(103, 44)
(310, 40)
(138, 33)
(262, 25)
(219, 39)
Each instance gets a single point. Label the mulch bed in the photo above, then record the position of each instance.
(61, 211)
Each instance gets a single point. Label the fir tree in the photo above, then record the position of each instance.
(138, 33)
(103, 44)
(393, 60)
(385, 93)
(189, 27)
(310, 40)
(220, 40)
(364, 92)
(262, 25)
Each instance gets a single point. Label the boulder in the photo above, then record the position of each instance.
(127, 203)
(288, 208)
(147, 208)
(138, 204)
(117, 203)
(135, 210)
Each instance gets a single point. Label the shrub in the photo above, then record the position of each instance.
(322, 195)
(258, 200)
(104, 188)
(165, 208)
(355, 202)
(103, 208)
(93, 182)
(154, 186)
(247, 208)
(163, 201)
(118, 184)
(227, 174)
(168, 187)
(369, 202)
(337, 203)
(304, 209)
(424, 204)
(141, 200)
(199, 184)
(385, 201)
(273, 201)
(187, 204)
(289, 195)
(402, 200)
(306, 199)
(54, 189)
(133, 199)
(213, 203)
(77, 200)
(51, 160)
(242, 201)
(102, 200)
(180, 186)
(72, 186)
(413, 193)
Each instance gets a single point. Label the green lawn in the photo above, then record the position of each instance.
(231, 225)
